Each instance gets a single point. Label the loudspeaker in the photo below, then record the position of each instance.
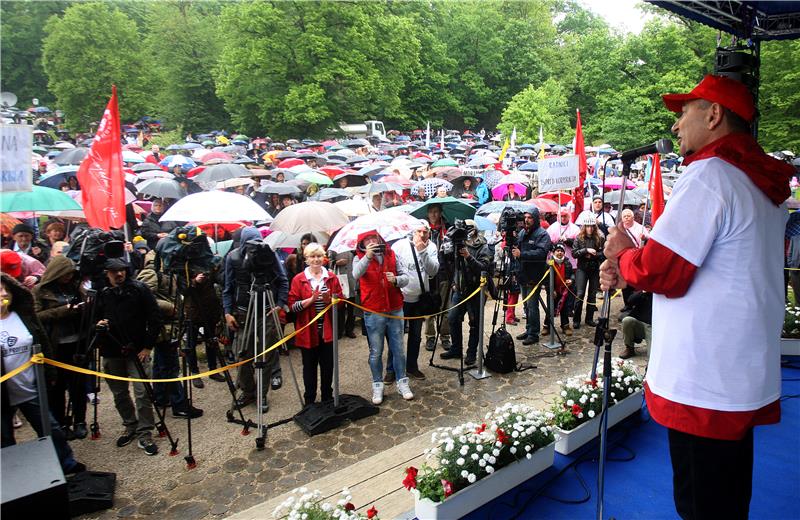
(33, 485)
(320, 417)
(91, 491)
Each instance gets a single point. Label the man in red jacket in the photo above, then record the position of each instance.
(714, 266)
(380, 277)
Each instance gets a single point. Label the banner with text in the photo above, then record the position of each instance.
(558, 173)
(16, 147)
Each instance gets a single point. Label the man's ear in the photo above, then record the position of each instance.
(714, 116)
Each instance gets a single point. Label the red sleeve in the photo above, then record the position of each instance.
(656, 269)
(295, 290)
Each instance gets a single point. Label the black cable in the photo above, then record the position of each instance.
(787, 397)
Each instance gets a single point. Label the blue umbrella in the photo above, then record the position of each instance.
(529, 167)
(498, 206)
(191, 146)
(184, 162)
(174, 147)
(484, 224)
(55, 178)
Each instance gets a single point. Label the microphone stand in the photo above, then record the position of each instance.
(603, 337)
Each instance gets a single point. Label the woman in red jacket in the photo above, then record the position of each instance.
(310, 292)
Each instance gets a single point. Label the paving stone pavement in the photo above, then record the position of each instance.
(231, 475)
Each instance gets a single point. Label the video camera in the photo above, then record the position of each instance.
(185, 248)
(456, 237)
(91, 247)
(509, 223)
(259, 260)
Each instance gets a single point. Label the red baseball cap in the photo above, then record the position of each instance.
(11, 263)
(729, 93)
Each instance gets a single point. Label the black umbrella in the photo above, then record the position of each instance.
(356, 159)
(145, 167)
(372, 169)
(286, 154)
(353, 179)
(356, 143)
(243, 160)
(221, 172)
(71, 156)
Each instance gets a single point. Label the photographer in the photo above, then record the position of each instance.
(58, 305)
(128, 329)
(441, 282)
(235, 299)
(380, 277)
(533, 244)
(469, 255)
(505, 263)
(152, 229)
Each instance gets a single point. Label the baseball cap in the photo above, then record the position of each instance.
(728, 92)
(11, 263)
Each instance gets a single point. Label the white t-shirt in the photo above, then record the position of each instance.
(718, 346)
(16, 344)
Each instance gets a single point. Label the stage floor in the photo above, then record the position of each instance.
(638, 481)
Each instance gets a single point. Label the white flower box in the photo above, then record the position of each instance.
(569, 441)
(790, 347)
(486, 489)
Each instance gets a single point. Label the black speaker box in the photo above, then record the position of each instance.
(33, 485)
(320, 417)
(91, 491)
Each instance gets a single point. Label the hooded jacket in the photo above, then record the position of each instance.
(236, 292)
(133, 315)
(377, 294)
(533, 246)
(52, 299)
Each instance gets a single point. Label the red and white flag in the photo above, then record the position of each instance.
(656, 190)
(100, 174)
(580, 150)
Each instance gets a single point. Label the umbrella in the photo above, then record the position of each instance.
(212, 229)
(484, 224)
(353, 207)
(162, 189)
(38, 199)
(205, 156)
(146, 166)
(529, 167)
(131, 157)
(447, 173)
(491, 178)
(154, 174)
(192, 146)
(288, 163)
(63, 145)
(355, 143)
(397, 179)
(279, 239)
(215, 206)
(71, 156)
(615, 183)
(452, 209)
(372, 169)
(279, 188)
(514, 178)
(172, 161)
(315, 178)
(380, 187)
(286, 154)
(631, 198)
(390, 225)
(353, 179)
(56, 177)
(243, 160)
(501, 190)
(444, 162)
(174, 147)
(221, 172)
(482, 161)
(328, 194)
(499, 205)
(431, 185)
(232, 183)
(7, 223)
(545, 205)
(308, 217)
(356, 159)
(331, 171)
(558, 197)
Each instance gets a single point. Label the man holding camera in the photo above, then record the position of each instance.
(441, 282)
(126, 333)
(235, 300)
(533, 244)
(468, 252)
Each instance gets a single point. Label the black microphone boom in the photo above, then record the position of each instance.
(661, 146)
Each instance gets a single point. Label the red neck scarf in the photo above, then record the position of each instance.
(770, 175)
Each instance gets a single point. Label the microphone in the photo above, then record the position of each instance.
(661, 146)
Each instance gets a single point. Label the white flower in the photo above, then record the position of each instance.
(489, 470)
(481, 463)
(460, 461)
(492, 460)
(464, 450)
(479, 447)
(563, 393)
(590, 413)
(496, 452)
(570, 402)
(326, 507)
(527, 448)
(464, 473)
(513, 450)
(471, 478)
(474, 456)
(528, 456)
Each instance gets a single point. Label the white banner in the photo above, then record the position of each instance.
(558, 173)
(16, 143)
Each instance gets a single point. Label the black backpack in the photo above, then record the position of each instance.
(184, 249)
(500, 356)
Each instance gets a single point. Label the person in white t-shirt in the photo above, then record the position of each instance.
(714, 264)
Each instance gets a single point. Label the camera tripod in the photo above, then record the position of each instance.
(260, 308)
(82, 357)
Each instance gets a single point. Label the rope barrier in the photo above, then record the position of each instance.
(530, 294)
(597, 298)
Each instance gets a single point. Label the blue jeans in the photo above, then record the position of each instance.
(31, 411)
(456, 317)
(378, 327)
(413, 341)
(532, 327)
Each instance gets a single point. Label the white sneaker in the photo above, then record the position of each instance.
(404, 390)
(377, 393)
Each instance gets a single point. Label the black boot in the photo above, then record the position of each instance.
(590, 318)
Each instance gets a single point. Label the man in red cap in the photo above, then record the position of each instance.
(714, 266)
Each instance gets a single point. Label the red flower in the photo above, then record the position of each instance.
(576, 409)
(349, 507)
(481, 428)
(448, 488)
(502, 437)
(410, 482)
(372, 512)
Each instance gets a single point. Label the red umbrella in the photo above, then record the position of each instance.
(288, 163)
(195, 171)
(220, 227)
(559, 198)
(545, 205)
(222, 156)
(331, 171)
(397, 179)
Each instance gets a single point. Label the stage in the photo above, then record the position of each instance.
(639, 475)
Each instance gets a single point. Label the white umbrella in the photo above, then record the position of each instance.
(131, 157)
(515, 178)
(353, 207)
(279, 239)
(310, 217)
(154, 174)
(215, 206)
(391, 224)
(232, 183)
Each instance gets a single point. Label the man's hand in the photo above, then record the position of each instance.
(161, 235)
(371, 250)
(592, 251)
(129, 247)
(231, 322)
(617, 241)
(144, 355)
(29, 281)
(102, 323)
(391, 278)
(610, 277)
(200, 278)
(515, 252)
(463, 252)
(419, 243)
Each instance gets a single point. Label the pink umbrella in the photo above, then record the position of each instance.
(288, 163)
(397, 179)
(500, 191)
(391, 224)
(615, 183)
(215, 155)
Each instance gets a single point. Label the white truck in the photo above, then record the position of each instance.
(365, 129)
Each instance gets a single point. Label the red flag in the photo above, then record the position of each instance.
(656, 189)
(100, 174)
(580, 150)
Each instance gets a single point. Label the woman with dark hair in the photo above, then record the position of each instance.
(296, 262)
(588, 251)
(20, 330)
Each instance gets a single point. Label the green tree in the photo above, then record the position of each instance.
(779, 96)
(21, 42)
(183, 68)
(89, 48)
(545, 106)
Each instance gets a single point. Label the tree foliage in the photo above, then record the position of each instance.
(545, 106)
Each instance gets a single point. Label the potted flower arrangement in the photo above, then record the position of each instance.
(790, 335)
(303, 504)
(474, 463)
(577, 409)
